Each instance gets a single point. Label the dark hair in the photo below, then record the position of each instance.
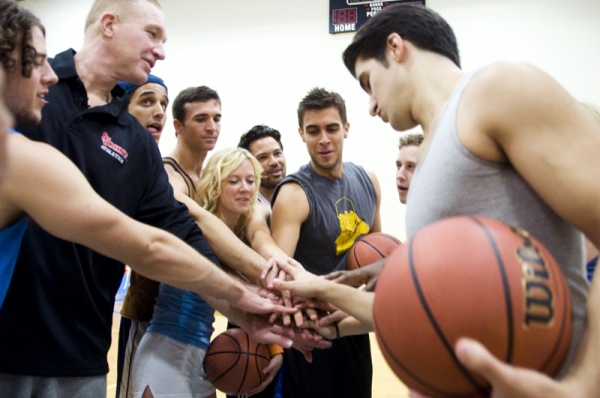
(256, 133)
(319, 98)
(192, 94)
(421, 26)
(15, 21)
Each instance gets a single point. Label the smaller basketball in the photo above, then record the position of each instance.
(370, 248)
(234, 362)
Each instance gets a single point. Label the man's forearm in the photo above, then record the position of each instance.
(352, 301)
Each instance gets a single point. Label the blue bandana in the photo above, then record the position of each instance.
(129, 87)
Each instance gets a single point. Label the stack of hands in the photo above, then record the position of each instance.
(314, 322)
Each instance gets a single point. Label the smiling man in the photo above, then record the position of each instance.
(318, 212)
(264, 143)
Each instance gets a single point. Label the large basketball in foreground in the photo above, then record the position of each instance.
(234, 362)
(470, 277)
(370, 248)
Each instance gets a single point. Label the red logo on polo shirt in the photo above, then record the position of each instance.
(113, 149)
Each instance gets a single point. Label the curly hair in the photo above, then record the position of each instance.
(217, 169)
(15, 25)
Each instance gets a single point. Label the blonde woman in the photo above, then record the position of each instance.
(170, 355)
(229, 189)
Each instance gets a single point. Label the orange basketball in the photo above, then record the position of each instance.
(234, 362)
(470, 277)
(370, 248)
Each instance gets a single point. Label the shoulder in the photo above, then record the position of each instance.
(507, 84)
(288, 192)
(503, 101)
(261, 211)
(176, 179)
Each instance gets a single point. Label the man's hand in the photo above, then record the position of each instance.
(259, 328)
(270, 371)
(509, 381)
(366, 275)
(303, 283)
(328, 332)
(253, 303)
(332, 318)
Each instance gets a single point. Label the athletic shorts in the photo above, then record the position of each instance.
(171, 368)
(19, 386)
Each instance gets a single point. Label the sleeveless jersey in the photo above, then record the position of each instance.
(340, 211)
(452, 181)
(179, 314)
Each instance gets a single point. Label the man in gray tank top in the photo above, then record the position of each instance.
(505, 142)
(318, 213)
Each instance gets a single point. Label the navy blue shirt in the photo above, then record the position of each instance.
(57, 316)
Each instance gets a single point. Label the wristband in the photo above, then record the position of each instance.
(275, 349)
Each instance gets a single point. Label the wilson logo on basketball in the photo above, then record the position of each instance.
(538, 295)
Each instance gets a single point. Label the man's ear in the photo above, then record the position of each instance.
(107, 24)
(178, 126)
(301, 132)
(395, 46)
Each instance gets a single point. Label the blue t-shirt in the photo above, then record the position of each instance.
(10, 243)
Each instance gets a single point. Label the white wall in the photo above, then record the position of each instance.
(263, 56)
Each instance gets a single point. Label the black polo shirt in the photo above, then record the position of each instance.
(57, 316)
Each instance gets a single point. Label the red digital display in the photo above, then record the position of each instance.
(344, 15)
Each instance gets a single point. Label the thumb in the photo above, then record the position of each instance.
(478, 359)
(508, 381)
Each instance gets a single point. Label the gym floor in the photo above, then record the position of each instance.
(385, 383)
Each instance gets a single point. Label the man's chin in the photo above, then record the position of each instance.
(28, 119)
(270, 183)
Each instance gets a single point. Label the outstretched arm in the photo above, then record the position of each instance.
(71, 210)
(258, 234)
(230, 250)
(355, 302)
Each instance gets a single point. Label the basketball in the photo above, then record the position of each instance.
(370, 248)
(470, 277)
(234, 362)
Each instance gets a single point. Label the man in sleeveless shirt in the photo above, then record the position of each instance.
(505, 125)
(318, 213)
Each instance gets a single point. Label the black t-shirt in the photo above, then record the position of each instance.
(57, 317)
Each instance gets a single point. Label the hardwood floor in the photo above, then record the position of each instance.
(385, 383)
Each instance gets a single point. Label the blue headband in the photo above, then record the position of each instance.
(129, 87)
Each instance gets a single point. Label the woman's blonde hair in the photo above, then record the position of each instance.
(217, 169)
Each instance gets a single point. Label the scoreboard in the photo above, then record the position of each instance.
(349, 15)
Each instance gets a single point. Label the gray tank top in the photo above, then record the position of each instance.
(452, 181)
(340, 211)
